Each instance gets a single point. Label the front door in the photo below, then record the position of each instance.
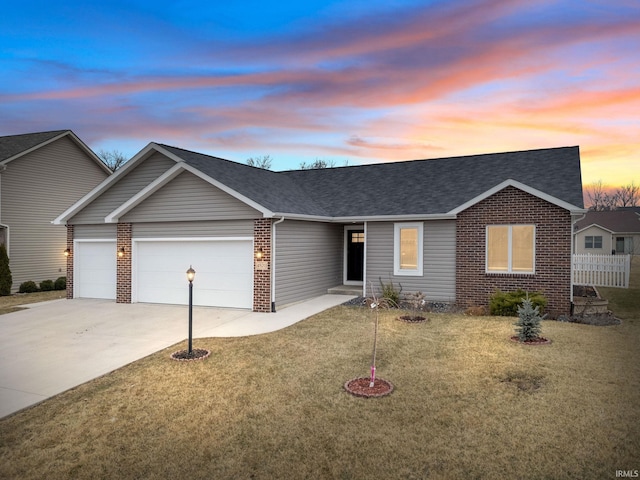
(355, 256)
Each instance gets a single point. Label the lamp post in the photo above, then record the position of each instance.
(191, 273)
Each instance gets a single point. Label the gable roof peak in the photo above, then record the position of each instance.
(13, 147)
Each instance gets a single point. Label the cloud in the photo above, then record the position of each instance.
(438, 78)
(373, 148)
(416, 56)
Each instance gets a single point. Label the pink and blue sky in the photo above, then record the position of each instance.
(357, 81)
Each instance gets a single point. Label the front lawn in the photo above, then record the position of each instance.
(468, 403)
(625, 301)
(11, 303)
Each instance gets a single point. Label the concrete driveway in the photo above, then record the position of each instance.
(54, 346)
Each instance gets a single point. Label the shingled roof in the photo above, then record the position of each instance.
(616, 221)
(418, 187)
(12, 145)
(272, 190)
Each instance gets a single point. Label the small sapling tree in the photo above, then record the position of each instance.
(528, 326)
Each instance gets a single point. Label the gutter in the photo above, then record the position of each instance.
(367, 218)
(273, 265)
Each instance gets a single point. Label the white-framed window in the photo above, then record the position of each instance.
(593, 241)
(407, 248)
(510, 249)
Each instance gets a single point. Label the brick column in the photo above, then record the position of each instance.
(70, 262)
(262, 268)
(123, 269)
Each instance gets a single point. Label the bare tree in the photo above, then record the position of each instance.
(597, 196)
(628, 195)
(610, 200)
(601, 199)
(317, 164)
(113, 159)
(260, 162)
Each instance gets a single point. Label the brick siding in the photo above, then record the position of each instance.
(552, 250)
(70, 262)
(262, 278)
(123, 268)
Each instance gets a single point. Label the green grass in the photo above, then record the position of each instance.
(468, 403)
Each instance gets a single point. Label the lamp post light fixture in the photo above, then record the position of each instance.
(191, 273)
(191, 354)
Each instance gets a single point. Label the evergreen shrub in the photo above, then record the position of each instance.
(528, 325)
(6, 280)
(47, 285)
(60, 283)
(28, 287)
(506, 304)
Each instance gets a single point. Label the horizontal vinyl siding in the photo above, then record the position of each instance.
(188, 197)
(35, 189)
(439, 260)
(134, 181)
(229, 228)
(308, 259)
(608, 243)
(93, 232)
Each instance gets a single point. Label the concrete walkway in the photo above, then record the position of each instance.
(54, 346)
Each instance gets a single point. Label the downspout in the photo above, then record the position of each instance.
(573, 249)
(273, 265)
(3, 168)
(364, 263)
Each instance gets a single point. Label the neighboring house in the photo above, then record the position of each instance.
(41, 175)
(604, 233)
(455, 229)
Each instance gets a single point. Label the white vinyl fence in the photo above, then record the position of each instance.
(601, 270)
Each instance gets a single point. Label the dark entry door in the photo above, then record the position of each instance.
(355, 255)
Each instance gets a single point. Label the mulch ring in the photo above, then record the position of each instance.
(535, 341)
(359, 387)
(185, 356)
(413, 319)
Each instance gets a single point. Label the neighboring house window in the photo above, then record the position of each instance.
(510, 248)
(407, 249)
(593, 241)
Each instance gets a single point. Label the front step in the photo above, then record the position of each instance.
(346, 290)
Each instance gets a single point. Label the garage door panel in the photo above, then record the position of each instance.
(95, 270)
(224, 272)
(225, 298)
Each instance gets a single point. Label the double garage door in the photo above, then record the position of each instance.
(224, 271)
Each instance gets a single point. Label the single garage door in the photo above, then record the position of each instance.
(95, 269)
(224, 272)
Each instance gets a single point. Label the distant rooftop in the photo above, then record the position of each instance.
(617, 221)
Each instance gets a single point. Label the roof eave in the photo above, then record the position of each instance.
(364, 218)
(147, 191)
(74, 138)
(520, 186)
(104, 185)
(593, 225)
